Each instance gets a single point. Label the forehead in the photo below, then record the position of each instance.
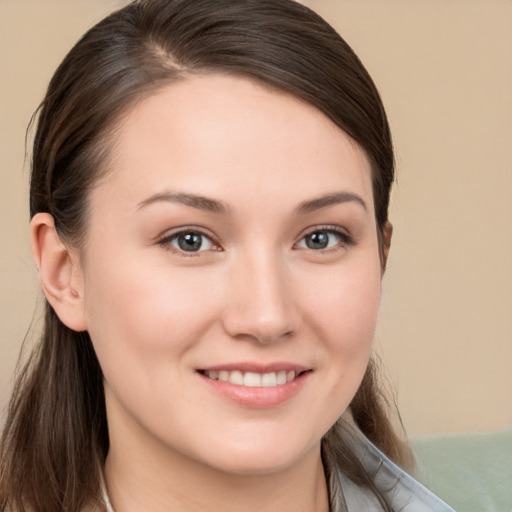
(216, 135)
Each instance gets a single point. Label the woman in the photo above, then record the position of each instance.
(209, 198)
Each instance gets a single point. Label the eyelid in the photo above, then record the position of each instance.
(345, 237)
(165, 239)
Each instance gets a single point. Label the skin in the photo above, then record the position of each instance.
(256, 291)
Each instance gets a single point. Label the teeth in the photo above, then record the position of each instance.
(269, 380)
(237, 378)
(252, 379)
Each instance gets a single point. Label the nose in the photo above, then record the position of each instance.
(261, 304)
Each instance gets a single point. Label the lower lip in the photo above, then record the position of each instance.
(257, 397)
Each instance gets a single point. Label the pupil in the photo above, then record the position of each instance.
(190, 242)
(317, 240)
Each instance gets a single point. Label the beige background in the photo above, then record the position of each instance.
(444, 69)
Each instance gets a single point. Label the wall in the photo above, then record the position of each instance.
(444, 69)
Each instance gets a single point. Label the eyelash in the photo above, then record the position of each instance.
(166, 242)
(344, 240)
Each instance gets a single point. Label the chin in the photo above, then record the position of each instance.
(259, 460)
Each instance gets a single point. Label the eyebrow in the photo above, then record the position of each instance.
(330, 200)
(195, 201)
(212, 205)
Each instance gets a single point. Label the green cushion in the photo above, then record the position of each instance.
(472, 472)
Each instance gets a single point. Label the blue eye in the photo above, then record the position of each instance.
(189, 241)
(322, 239)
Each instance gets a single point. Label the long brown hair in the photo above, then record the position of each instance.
(55, 438)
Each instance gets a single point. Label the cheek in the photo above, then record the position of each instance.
(345, 309)
(144, 312)
(340, 309)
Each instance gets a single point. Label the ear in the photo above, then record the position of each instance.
(387, 234)
(59, 272)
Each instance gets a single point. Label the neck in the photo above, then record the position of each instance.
(164, 481)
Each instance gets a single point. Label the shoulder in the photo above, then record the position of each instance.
(400, 490)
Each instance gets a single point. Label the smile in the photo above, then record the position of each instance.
(252, 379)
(256, 386)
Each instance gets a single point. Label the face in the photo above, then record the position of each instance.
(231, 275)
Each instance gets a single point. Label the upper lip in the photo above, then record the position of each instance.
(246, 366)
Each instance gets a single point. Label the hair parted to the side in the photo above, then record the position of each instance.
(55, 438)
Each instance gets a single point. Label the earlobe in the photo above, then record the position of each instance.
(387, 234)
(59, 272)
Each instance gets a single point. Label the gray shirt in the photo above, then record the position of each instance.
(400, 490)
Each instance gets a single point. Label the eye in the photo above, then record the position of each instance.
(322, 239)
(189, 241)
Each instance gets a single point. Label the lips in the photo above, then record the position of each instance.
(256, 386)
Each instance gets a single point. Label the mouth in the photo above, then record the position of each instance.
(254, 385)
(254, 379)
